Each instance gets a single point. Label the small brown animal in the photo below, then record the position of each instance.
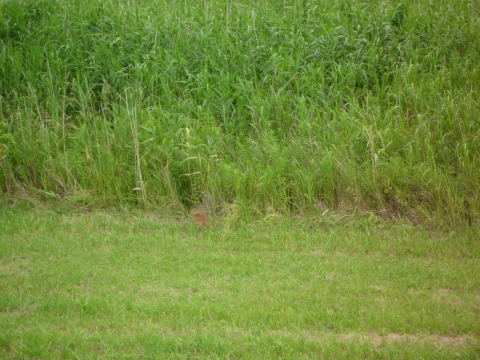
(200, 218)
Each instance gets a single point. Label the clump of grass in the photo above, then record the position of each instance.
(278, 108)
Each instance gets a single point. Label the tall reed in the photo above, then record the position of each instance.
(272, 107)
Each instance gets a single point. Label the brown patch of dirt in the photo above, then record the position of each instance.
(439, 340)
(380, 340)
(447, 296)
(14, 269)
(330, 276)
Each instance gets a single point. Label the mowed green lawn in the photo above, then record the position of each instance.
(134, 285)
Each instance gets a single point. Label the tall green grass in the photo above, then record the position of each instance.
(256, 107)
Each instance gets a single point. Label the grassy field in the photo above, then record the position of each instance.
(272, 107)
(131, 285)
(335, 144)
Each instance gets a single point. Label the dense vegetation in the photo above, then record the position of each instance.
(253, 107)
